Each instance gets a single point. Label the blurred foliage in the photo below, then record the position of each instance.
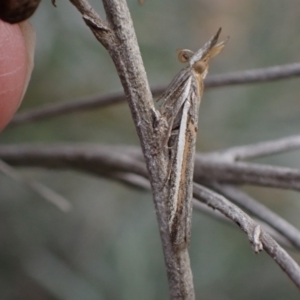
(107, 246)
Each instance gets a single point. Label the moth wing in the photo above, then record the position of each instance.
(182, 190)
(172, 106)
(174, 85)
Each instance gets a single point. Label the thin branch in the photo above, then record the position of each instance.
(258, 75)
(242, 77)
(139, 182)
(45, 192)
(132, 179)
(260, 211)
(69, 107)
(256, 235)
(259, 149)
(58, 109)
(90, 15)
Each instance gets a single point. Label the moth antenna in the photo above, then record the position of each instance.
(184, 55)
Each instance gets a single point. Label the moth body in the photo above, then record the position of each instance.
(180, 107)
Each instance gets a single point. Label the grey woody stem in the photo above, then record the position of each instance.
(117, 35)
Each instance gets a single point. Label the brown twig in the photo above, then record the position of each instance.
(257, 75)
(260, 211)
(259, 149)
(242, 77)
(283, 239)
(58, 109)
(279, 238)
(255, 234)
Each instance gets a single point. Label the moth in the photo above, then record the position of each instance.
(179, 109)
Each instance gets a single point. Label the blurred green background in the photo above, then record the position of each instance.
(107, 246)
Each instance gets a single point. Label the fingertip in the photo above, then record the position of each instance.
(16, 62)
(28, 34)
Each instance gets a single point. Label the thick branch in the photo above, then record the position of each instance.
(120, 41)
(255, 234)
(114, 162)
(99, 160)
(211, 169)
(118, 37)
(104, 159)
(108, 161)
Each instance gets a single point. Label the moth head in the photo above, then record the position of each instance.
(200, 60)
(201, 66)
